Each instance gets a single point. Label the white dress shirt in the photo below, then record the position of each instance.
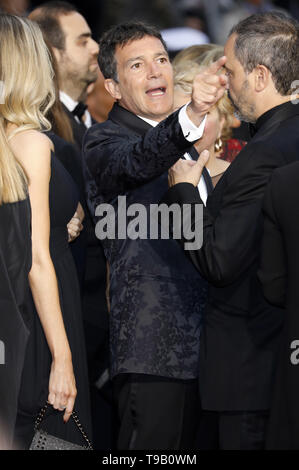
(70, 104)
(191, 133)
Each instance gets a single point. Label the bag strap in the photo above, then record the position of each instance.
(80, 427)
(41, 416)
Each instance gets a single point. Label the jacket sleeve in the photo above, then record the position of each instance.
(119, 160)
(231, 238)
(273, 269)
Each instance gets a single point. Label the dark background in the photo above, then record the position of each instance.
(101, 14)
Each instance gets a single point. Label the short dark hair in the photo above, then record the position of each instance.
(120, 35)
(47, 17)
(270, 39)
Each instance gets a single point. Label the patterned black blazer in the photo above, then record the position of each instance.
(157, 296)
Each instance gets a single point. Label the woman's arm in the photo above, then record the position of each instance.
(33, 150)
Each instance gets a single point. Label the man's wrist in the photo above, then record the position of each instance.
(194, 115)
(191, 131)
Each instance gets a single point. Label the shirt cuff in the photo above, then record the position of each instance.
(191, 131)
(182, 193)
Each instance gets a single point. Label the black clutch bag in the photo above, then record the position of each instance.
(45, 441)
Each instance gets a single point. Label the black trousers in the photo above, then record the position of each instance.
(243, 430)
(156, 412)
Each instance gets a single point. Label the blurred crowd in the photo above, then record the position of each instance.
(212, 17)
(183, 23)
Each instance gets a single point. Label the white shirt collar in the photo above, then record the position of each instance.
(149, 121)
(202, 187)
(68, 102)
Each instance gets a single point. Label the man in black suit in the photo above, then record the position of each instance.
(75, 51)
(240, 337)
(157, 297)
(279, 274)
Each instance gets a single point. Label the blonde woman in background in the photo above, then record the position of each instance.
(221, 120)
(55, 352)
(194, 53)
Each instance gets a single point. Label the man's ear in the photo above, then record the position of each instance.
(262, 77)
(113, 88)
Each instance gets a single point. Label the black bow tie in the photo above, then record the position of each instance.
(79, 110)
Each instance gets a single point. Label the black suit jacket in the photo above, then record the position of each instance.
(239, 341)
(157, 296)
(279, 274)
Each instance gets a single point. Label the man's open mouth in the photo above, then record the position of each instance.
(160, 91)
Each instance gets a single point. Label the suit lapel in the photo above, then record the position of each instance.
(127, 119)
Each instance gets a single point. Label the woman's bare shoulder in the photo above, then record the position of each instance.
(33, 150)
(30, 139)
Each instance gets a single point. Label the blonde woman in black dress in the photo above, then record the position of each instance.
(54, 363)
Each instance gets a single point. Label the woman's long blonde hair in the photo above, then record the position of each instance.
(26, 94)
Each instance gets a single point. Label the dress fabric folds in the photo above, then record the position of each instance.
(63, 201)
(15, 263)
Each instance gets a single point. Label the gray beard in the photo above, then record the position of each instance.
(241, 117)
(238, 113)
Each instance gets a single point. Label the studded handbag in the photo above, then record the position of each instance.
(45, 441)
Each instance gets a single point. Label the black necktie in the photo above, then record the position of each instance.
(79, 110)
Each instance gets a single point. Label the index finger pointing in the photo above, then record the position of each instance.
(215, 66)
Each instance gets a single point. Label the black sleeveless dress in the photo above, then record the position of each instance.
(15, 263)
(63, 201)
